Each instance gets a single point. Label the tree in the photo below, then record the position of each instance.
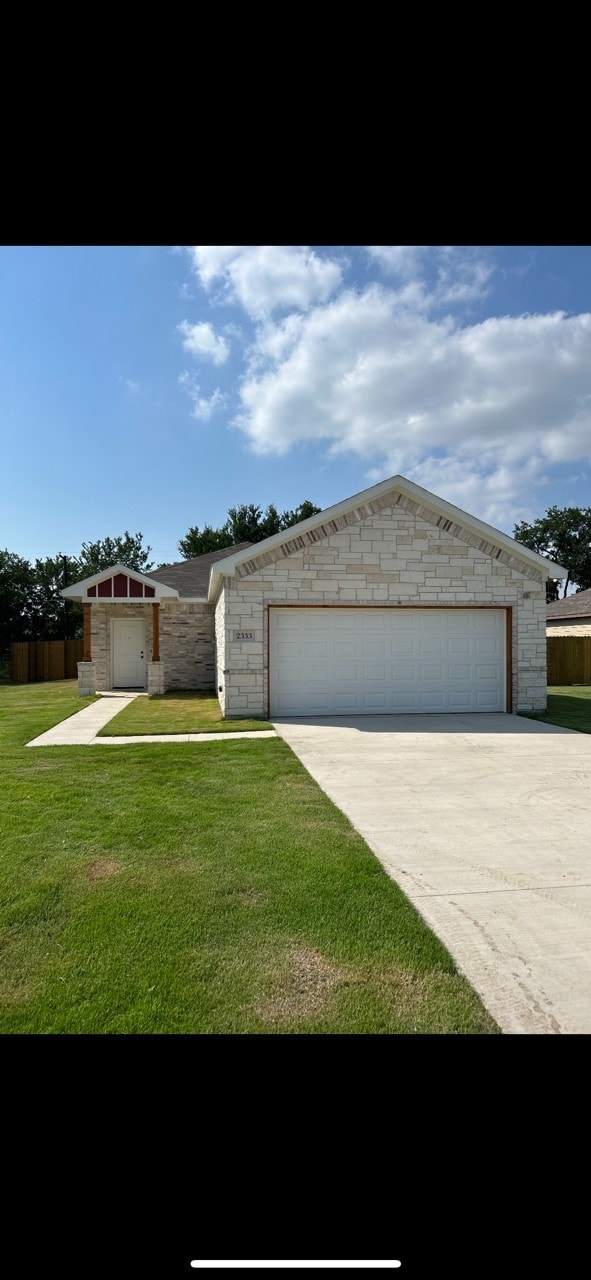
(563, 535)
(53, 617)
(303, 512)
(31, 604)
(198, 542)
(127, 550)
(245, 523)
(16, 584)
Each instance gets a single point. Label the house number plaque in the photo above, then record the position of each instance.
(244, 635)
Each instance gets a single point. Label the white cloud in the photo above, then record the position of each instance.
(475, 413)
(396, 259)
(456, 276)
(202, 340)
(462, 276)
(211, 260)
(267, 278)
(203, 406)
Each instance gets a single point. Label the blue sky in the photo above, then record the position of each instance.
(150, 388)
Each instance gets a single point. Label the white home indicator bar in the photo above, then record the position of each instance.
(358, 1265)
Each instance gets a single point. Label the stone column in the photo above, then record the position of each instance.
(86, 679)
(155, 677)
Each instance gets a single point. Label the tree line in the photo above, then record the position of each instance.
(31, 607)
(563, 534)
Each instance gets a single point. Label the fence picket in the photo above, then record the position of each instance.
(33, 661)
(569, 660)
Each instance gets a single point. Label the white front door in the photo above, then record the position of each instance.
(372, 661)
(129, 648)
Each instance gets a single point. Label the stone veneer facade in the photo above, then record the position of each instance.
(568, 628)
(393, 550)
(187, 652)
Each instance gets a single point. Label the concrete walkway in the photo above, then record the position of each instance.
(81, 729)
(485, 823)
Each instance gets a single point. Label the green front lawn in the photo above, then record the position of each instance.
(569, 706)
(190, 712)
(206, 887)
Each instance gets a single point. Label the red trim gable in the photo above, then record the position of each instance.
(121, 587)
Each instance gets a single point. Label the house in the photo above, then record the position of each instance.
(393, 600)
(570, 617)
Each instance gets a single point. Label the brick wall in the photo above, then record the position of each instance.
(187, 646)
(391, 551)
(186, 642)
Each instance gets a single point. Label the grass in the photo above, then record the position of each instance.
(190, 712)
(569, 706)
(198, 888)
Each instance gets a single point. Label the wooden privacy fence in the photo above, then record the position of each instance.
(35, 660)
(569, 660)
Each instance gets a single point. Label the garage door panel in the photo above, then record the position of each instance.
(487, 671)
(485, 700)
(404, 700)
(314, 648)
(376, 660)
(431, 673)
(374, 675)
(346, 671)
(459, 672)
(374, 648)
(460, 644)
(403, 672)
(486, 644)
(401, 648)
(378, 702)
(460, 700)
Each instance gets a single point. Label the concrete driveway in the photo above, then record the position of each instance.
(485, 823)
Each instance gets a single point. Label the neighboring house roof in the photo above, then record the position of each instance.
(188, 578)
(227, 567)
(191, 577)
(577, 606)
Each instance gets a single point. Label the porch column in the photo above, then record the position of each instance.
(86, 657)
(155, 633)
(155, 667)
(86, 677)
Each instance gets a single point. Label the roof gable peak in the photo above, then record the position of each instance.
(407, 488)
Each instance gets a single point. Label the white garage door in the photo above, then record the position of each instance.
(379, 661)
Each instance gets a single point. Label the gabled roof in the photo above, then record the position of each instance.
(577, 606)
(187, 579)
(399, 484)
(79, 589)
(191, 577)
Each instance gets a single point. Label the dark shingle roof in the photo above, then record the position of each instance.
(577, 606)
(191, 577)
